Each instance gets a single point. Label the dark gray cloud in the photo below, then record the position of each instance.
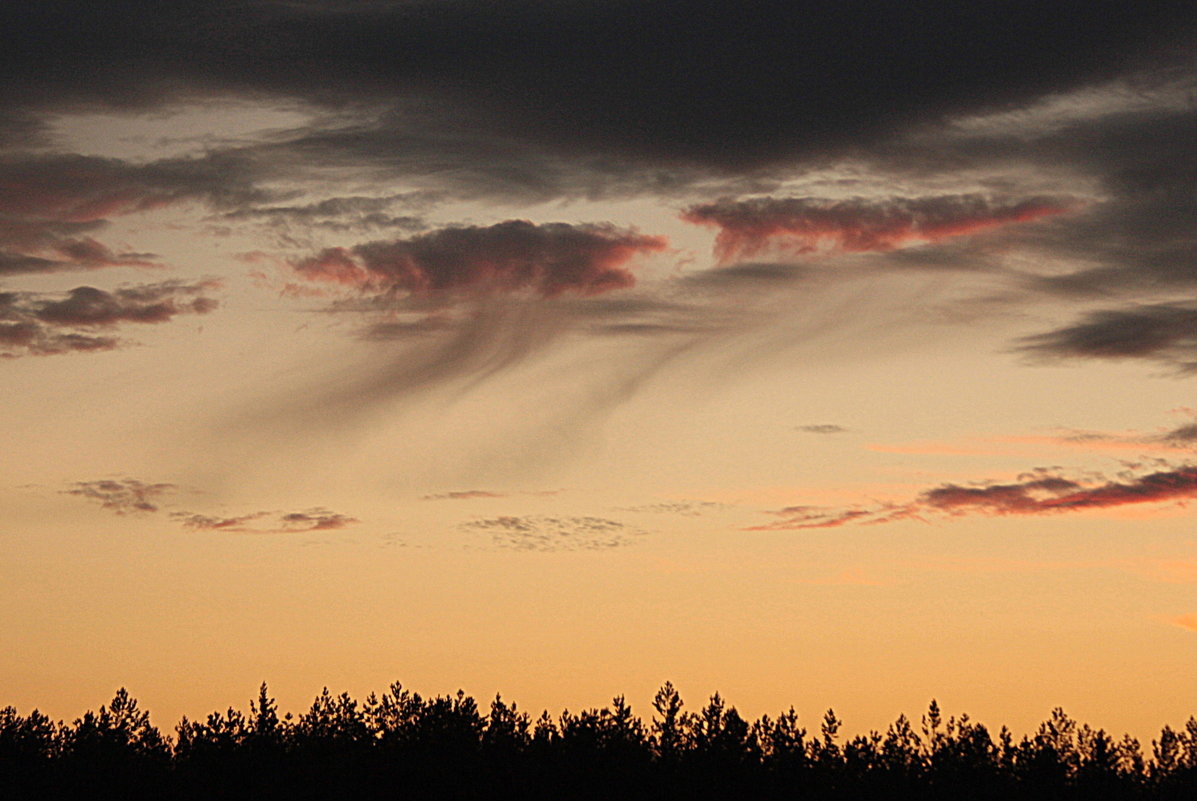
(1141, 236)
(1183, 435)
(122, 496)
(1161, 333)
(730, 86)
(823, 428)
(354, 213)
(41, 324)
(535, 533)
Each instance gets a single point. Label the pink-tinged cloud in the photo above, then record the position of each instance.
(1041, 492)
(317, 519)
(514, 256)
(1186, 622)
(49, 205)
(800, 517)
(795, 518)
(804, 226)
(79, 189)
(40, 323)
(124, 496)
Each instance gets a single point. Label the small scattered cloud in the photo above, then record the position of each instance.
(535, 533)
(823, 428)
(805, 226)
(40, 324)
(315, 519)
(193, 520)
(683, 508)
(463, 495)
(547, 259)
(122, 496)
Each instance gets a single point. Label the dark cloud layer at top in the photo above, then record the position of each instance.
(719, 84)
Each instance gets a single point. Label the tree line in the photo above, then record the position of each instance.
(399, 745)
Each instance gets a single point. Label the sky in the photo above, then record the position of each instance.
(826, 355)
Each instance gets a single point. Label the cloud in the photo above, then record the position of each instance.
(350, 213)
(534, 533)
(463, 495)
(1184, 435)
(315, 519)
(809, 517)
(683, 508)
(40, 324)
(516, 255)
(1164, 333)
(50, 203)
(823, 428)
(124, 496)
(805, 225)
(1043, 491)
(720, 85)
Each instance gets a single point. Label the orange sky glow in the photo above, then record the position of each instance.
(811, 375)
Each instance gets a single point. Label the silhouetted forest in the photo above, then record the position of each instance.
(398, 745)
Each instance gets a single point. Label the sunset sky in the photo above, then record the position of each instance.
(826, 354)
